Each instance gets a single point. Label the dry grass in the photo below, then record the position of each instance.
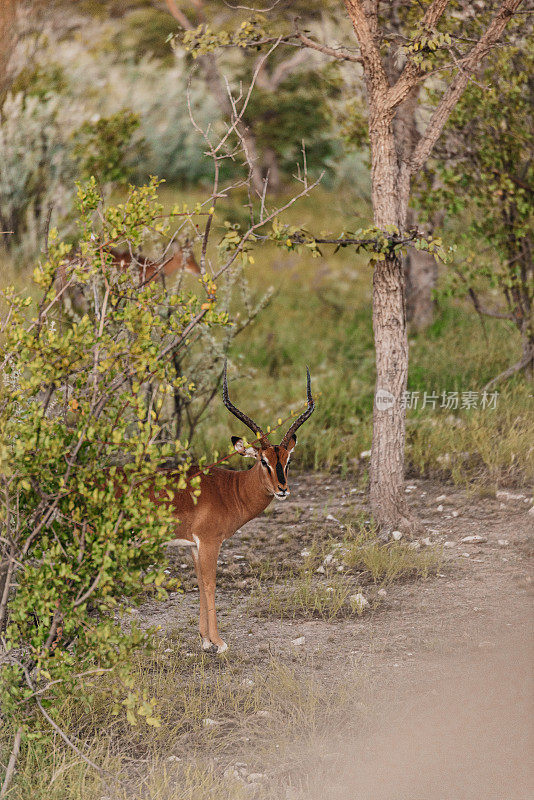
(216, 714)
(334, 572)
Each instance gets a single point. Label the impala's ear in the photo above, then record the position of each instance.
(239, 447)
(291, 444)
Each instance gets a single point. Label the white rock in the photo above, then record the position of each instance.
(417, 545)
(474, 539)
(321, 570)
(329, 589)
(396, 535)
(509, 496)
(328, 559)
(466, 555)
(174, 758)
(358, 601)
(440, 508)
(449, 544)
(455, 513)
(365, 454)
(332, 518)
(382, 593)
(208, 722)
(441, 497)
(340, 568)
(254, 777)
(299, 641)
(231, 772)
(426, 541)
(305, 553)
(503, 542)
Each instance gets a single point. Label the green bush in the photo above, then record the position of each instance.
(81, 409)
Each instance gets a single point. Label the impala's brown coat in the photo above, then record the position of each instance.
(228, 500)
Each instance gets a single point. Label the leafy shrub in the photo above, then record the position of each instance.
(80, 445)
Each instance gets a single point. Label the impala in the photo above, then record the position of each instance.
(228, 499)
(180, 257)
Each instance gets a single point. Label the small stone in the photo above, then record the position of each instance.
(441, 497)
(332, 518)
(340, 568)
(396, 535)
(449, 544)
(305, 553)
(255, 777)
(440, 508)
(382, 593)
(321, 570)
(329, 589)
(328, 559)
(358, 601)
(299, 641)
(417, 545)
(466, 555)
(365, 454)
(531, 511)
(426, 541)
(503, 542)
(174, 758)
(474, 539)
(455, 513)
(208, 722)
(508, 496)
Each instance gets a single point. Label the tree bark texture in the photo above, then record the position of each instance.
(397, 153)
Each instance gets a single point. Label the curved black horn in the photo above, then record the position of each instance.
(235, 411)
(303, 417)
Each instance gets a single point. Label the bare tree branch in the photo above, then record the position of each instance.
(364, 24)
(333, 52)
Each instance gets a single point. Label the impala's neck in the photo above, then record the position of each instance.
(252, 496)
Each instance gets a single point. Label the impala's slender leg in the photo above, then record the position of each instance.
(207, 556)
(203, 617)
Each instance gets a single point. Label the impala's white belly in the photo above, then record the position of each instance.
(185, 542)
(181, 543)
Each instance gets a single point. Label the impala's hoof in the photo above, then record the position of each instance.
(206, 644)
(217, 648)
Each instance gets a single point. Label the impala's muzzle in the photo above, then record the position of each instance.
(281, 494)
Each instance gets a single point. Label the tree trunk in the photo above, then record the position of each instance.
(272, 169)
(421, 272)
(387, 497)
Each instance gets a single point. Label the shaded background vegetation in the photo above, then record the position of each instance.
(99, 91)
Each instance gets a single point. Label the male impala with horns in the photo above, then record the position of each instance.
(228, 499)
